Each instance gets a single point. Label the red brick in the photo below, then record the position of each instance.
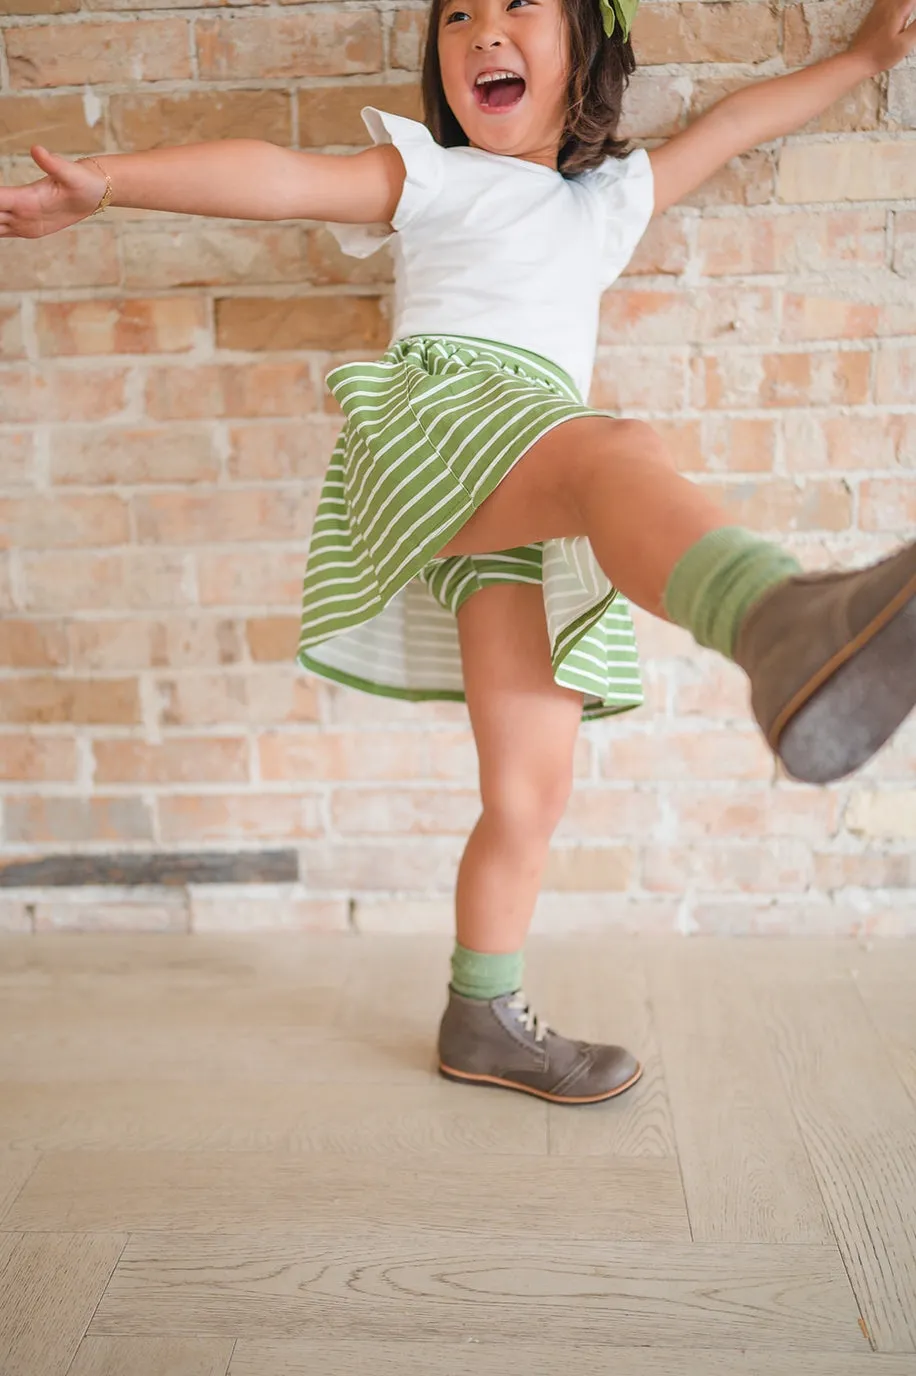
(655, 106)
(61, 820)
(781, 866)
(217, 517)
(126, 455)
(179, 759)
(793, 811)
(181, 642)
(341, 322)
(888, 504)
(692, 32)
(272, 639)
(17, 460)
(425, 865)
(817, 443)
(737, 444)
(83, 581)
(871, 870)
(905, 243)
(239, 817)
(87, 702)
(36, 395)
(895, 380)
(872, 170)
(314, 755)
(711, 687)
(212, 699)
(406, 811)
(11, 341)
(662, 249)
(266, 451)
(329, 266)
(263, 47)
(790, 242)
(590, 869)
(163, 325)
(634, 379)
(208, 253)
(777, 505)
(257, 914)
(825, 317)
(43, 523)
(688, 756)
(607, 813)
(32, 644)
(825, 378)
(241, 389)
(647, 317)
(330, 115)
(259, 577)
(57, 122)
(749, 179)
(88, 257)
(84, 54)
(140, 121)
(45, 759)
(814, 31)
(408, 34)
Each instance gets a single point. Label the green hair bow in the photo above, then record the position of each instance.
(620, 12)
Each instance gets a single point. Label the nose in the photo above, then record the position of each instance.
(484, 43)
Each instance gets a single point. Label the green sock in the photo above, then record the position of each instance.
(712, 587)
(477, 975)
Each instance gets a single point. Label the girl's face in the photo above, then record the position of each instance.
(521, 117)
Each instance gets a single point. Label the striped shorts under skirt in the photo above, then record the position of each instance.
(432, 428)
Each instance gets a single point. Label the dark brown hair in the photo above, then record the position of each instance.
(599, 72)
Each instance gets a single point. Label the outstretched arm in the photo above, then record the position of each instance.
(769, 109)
(244, 179)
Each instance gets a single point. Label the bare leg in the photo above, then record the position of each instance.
(611, 480)
(525, 728)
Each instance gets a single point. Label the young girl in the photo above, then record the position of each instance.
(480, 525)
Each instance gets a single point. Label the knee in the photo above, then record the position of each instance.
(639, 439)
(527, 804)
(619, 442)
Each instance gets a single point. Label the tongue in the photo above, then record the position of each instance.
(506, 92)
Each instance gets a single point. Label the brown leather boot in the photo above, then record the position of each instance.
(501, 1042)
(832, 662)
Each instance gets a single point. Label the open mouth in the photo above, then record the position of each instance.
(498, 91)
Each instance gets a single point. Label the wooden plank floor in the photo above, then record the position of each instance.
(227, 1156)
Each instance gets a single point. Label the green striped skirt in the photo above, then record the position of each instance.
(432, 427)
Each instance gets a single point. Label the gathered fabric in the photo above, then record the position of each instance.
(431, 428)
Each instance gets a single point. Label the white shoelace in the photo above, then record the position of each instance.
(529, 1020)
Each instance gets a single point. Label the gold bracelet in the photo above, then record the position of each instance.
(107, 193)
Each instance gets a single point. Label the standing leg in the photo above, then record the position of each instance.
(525, 728)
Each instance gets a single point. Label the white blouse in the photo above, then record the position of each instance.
(503, 249)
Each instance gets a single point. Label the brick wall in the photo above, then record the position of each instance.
(163, 431)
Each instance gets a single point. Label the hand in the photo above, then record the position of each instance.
(69, 192)
(884, 38)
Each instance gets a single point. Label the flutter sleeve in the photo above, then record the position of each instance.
(423, 161)
(625, 191)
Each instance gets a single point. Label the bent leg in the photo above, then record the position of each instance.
(613, 481)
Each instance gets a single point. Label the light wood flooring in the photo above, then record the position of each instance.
(232, 1155)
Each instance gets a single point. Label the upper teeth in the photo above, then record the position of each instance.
(496, 76)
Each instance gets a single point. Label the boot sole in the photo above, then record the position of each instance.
(462, 1077)
(855, 703)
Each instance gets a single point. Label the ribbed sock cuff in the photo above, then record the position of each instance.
(714, 585)
(477, 975)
